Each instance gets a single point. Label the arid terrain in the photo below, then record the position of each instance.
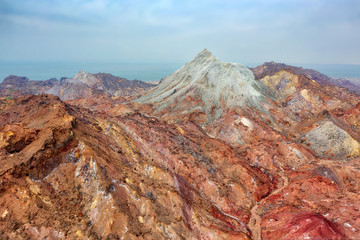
(215, 151)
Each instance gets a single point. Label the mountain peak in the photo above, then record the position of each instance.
(204, 54)
(205, 84)
(81, 74)
(86, 78)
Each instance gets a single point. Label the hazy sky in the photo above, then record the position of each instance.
(247, 31)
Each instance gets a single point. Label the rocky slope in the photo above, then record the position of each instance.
(213, 152)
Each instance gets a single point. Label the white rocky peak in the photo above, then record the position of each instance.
(217, 83)
(204, 54)
(86, 78)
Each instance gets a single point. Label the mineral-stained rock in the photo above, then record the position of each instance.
(327, 139)
(320, 201)
(272, 158)
(108, 177)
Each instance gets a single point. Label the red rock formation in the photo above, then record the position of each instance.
(106, 176)
(280, 163)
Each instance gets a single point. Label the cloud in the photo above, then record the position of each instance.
(167, 30)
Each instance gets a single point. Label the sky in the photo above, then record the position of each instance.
(168, 31)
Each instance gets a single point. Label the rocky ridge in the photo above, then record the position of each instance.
(82, 85)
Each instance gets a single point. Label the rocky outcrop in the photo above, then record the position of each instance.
(329, 140)
(271, 68)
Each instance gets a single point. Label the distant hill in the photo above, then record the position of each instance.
(15, 86)
(270, 68)
(82, 85)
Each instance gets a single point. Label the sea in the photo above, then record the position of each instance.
(140, 71)
(345, 71)
(47, 70)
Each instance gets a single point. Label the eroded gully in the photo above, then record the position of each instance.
(255, 219)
